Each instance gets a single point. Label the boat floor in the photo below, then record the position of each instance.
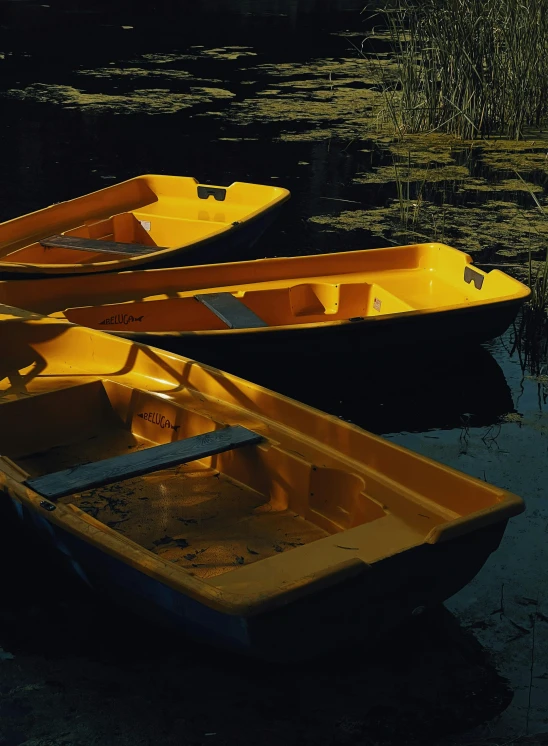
(191, 515)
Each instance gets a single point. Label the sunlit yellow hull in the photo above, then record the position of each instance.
(317, 532)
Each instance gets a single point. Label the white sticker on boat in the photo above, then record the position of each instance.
(377, 304)
(145, 224)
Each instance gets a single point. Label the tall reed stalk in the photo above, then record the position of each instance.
(531, 339)
(471, 67)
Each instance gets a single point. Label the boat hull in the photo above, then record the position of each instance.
(472, 325)
(403, 295)
(358, 609)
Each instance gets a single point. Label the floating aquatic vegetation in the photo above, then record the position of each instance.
(336, 96)
(539, 379)
(504, 155)
(198, 50)
(499, 228)
(342, 112)
(506, 185)
(376, 220)
(143, 100)
(166, 59)
(227, 53)
(215, 93)
(529, 157)
(326, 84)
(385, 174)
(353, 67)
(339, 105)
(136, 72)
(423, 154)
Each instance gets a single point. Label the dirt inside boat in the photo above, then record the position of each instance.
(206, 518)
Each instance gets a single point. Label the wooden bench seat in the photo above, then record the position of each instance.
(86, 476)
(234, 313)
(95, 244)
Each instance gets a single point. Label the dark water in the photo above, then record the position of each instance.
(475, 408)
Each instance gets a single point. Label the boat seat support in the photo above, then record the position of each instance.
(95, 244)
(107, 471)
(234, 313)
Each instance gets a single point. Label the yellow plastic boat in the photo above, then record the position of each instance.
(240, 515)
(149, 220)
(405, 293)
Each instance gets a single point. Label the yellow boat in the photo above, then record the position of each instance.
(405, 293)
(149, 220)
(240, 515)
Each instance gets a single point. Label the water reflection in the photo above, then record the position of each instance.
(412, 388)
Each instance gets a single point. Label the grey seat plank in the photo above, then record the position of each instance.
(107, 471)
(234, 313)
(95, 244)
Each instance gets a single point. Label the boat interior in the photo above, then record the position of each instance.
(221, 510)
(312, 301)
(134, 218)
(298, 303)
(208, 516)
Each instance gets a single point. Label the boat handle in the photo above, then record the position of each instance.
(219, 193)
(471, 275)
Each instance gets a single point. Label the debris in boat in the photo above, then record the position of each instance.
(169, 540)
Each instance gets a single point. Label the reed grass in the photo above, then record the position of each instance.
(531, 332)
(417, 217)
(472, 68)
(538, 280)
